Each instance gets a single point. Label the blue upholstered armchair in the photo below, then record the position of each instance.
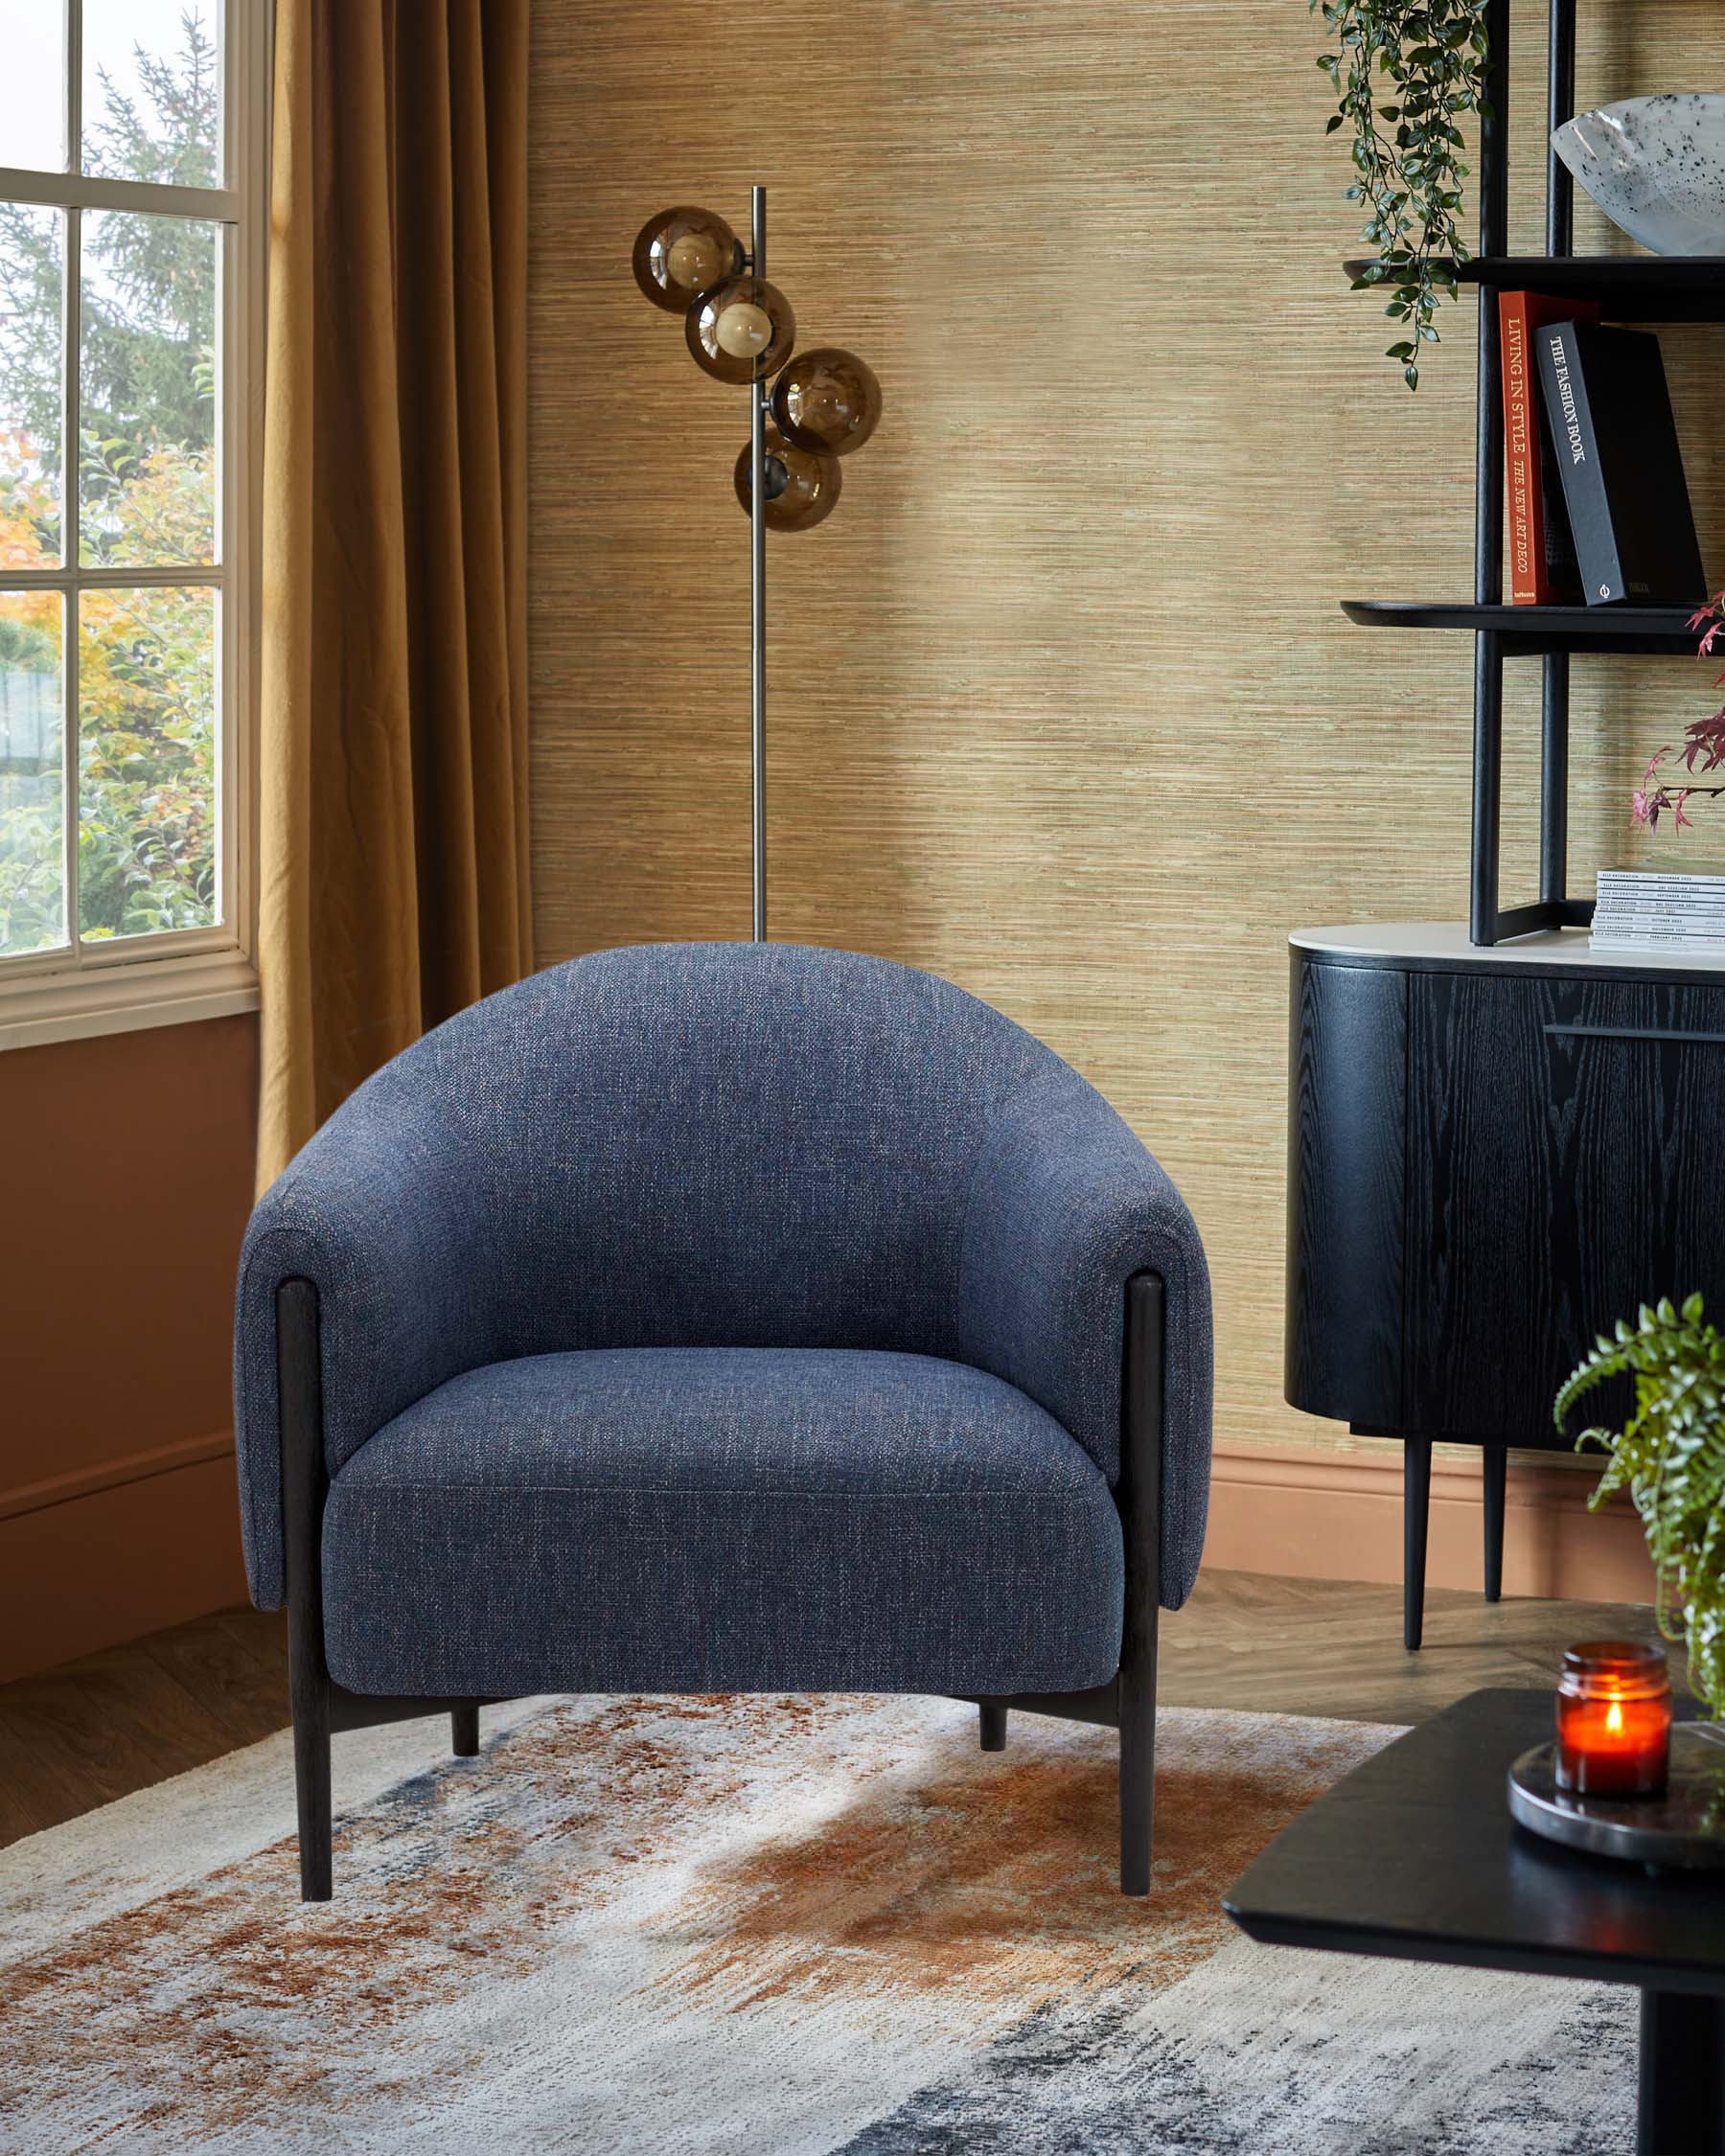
(709, 1317)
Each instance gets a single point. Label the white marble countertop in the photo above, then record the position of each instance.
(1445, 943)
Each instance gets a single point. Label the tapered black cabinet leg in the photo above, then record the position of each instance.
(1682, 2106)
(1496, 1475)
(993, 1717)
(464, 1732)
(1417, 1494)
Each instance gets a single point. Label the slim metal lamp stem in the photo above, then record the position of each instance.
(757, 545)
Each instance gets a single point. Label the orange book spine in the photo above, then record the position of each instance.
(1526, 500)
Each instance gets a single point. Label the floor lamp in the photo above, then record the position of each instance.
(824, 403)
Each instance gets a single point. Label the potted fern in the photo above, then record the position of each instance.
(1670, 1456)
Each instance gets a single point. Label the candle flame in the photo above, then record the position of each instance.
(1614, 1718)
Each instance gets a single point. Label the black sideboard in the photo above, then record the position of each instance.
(1493, 1154)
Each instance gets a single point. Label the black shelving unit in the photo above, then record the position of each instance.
(1533, 631)
(1634, 288)
(1641, 288)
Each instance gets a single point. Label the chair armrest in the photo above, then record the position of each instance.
(386, 1214)
(1065, 1204)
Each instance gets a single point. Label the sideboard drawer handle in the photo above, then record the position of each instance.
(1631, 1033)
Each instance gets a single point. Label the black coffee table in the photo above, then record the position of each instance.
(1414, 1855)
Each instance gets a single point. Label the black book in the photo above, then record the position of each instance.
(1621, 468)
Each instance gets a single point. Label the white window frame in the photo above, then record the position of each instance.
(118, 986)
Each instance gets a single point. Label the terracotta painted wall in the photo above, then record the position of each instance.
(1062, 705)
(126, 1185)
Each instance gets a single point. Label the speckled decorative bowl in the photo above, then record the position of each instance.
(1656, 167)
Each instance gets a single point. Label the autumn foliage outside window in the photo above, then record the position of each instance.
(138, 492)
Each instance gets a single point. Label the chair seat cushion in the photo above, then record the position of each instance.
(722, 1520)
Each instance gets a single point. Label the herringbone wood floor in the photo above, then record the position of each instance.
(94, 1729)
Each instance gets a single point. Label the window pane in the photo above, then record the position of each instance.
(32, 84)
(147, 471)
(33, 253)
(32, 865)
(152, 90)
(146, 761)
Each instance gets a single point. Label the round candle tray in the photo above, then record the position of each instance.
(1685, 1828)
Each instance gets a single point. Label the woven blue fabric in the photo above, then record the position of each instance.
(725, 1145)
(718, 1520)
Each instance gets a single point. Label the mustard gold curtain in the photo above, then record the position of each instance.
(394, 884)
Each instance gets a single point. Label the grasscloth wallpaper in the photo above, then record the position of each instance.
(1061, 704)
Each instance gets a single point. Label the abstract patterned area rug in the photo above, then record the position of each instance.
(750, 1924)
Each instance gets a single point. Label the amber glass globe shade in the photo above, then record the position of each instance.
(801, 487)
(827, 401)
(681, 253)
(742, 331)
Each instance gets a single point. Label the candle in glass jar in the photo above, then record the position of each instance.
(1614, 1719)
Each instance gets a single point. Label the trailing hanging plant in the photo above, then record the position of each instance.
(1670, 1456)
(1407, 150)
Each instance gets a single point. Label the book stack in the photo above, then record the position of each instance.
(1598, 504)
(1542, 569)
(1644, 910)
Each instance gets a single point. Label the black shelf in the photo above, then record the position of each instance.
(1531, 631)
(1628, 288)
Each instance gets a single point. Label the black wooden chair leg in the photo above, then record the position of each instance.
(1495, 1470)
(464, 1732)
(1140, 1498)
(1138, 1781)
(1416, 1492)
(304, 1483)
(312, 1787)
(993, 1719)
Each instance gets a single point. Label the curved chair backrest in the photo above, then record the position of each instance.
(710, 1144)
